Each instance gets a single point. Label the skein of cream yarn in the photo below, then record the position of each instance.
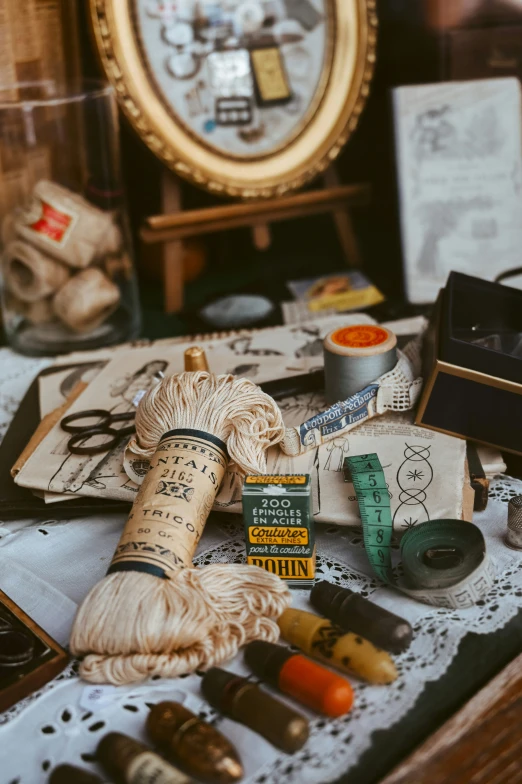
(154, 614)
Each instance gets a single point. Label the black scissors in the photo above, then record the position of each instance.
(83, 433)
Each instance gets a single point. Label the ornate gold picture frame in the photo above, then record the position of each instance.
(247, 98)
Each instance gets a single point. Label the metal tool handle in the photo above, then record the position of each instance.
(77, 445)
(66, 423)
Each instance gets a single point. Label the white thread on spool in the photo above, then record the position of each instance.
(67, 226)
(86, 300)
(31, 275)
(354, 357)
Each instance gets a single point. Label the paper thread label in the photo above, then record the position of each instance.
(360, 336)
(265, 535)
(148, 768)
(172, 505)
(339, 417)
(277, 479)
(53, 224)
(286, 568)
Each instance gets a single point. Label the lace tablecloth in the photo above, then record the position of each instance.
(48, 566)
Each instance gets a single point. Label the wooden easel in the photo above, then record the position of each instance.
(174, 225)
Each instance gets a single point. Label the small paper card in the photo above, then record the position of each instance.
(459, 165)
(339, 292)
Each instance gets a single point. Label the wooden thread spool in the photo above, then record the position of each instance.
(355, 357)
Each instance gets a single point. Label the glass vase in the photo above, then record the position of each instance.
(68, 279)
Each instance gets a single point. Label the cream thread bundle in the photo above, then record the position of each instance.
(62, 254)
(153, 613)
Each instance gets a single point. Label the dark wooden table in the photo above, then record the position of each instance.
(480, 658)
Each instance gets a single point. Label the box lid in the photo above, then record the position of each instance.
(481, 323)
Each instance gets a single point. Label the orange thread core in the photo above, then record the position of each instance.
(360, 336)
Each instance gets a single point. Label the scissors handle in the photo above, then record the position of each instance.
(106, 420)
(126, 416)
(77, 445)
(122, 431)
(66, 423)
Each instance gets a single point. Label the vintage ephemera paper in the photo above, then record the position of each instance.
(424, 469)
(459, 165)
(53, 390)
(53, 469)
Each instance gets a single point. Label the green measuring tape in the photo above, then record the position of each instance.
(444, 562)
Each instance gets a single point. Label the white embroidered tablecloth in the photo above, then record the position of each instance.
(47, 567)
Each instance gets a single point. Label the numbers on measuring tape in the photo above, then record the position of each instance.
(372, 494)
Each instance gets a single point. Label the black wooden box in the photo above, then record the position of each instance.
(473, 363)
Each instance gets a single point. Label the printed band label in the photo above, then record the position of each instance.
(277, 479)
(148, 768)
(286, 568)
(53, 223)
(258, 534)
(360, 336)
(339, 417)
(172, 505)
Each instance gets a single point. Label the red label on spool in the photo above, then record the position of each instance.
(53, 223)
(360, 336)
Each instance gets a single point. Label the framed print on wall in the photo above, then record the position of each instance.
(249, 98)
(459, 168)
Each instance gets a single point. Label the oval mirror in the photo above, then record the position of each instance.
(250, 98)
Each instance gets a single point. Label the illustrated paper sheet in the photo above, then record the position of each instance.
(459, 164)
(424, 469)
(53, 390)
(52, 469)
